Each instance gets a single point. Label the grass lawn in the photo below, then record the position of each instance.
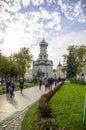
(30, 117)
(67, 108)
(68, 105)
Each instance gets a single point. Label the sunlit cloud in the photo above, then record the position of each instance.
(22, 26)
(73, 11)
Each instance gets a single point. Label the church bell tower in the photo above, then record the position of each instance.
(43, 50)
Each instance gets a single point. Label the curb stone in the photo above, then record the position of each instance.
(14, 122)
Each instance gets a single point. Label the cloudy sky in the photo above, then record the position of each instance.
(23, 23)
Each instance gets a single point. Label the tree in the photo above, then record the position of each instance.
(79, 53)
(71, 66)
(24, 59)
(4, 66)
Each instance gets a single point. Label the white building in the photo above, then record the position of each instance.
(42, 64)
(58, 72)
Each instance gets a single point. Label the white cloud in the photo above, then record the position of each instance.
(44, 13)
(25, 2)
(49, 2)
(12, 5)
(58, 27)
(50, 24)
(73, 11)
(77, 8)
(56, 17)
(59, 44)
(37, 2)
(27, 29)
(2, 7)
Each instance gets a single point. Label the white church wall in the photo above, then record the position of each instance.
(44, 64)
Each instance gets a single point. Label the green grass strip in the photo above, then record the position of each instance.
(68, 105)
(30, 117)
(67, 108)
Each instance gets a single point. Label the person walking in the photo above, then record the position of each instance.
(50, 81)
(40, 83)
(11, 88)
(46, 84)
(7, 86)
(21, 81)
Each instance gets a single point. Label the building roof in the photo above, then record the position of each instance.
(43, 62)
(59, 65)
(43, 43)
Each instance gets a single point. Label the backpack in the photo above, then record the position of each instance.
(10, 89)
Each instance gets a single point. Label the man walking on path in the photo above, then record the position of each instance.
(7, 86)
(21, 85)
(40, 83)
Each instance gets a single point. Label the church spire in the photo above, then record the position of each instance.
(43, 42)
(59, 63)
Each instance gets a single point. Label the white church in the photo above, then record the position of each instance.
(42, 64)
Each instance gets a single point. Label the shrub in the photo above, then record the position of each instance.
(47, 124)
(44, 111)
(44, 120)
(77, 81)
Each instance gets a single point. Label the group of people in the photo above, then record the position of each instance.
(10, 86)
(46, 82)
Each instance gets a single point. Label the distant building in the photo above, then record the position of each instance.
(42, 64)
(54, 73)
(28, 75)
(58, 73)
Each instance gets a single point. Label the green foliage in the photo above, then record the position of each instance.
(79, 53)
(15, 65)
(39, 74)
(77, 81)
(67, 109)
(2, 90)
(68, 105)
(71, 66)
(23, 58)
(44, 110)
(28, 122)
(47, 124)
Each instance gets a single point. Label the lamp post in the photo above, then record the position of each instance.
(85, 70)
(84, 114)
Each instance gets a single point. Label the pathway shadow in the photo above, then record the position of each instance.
(25, 96)
(13, 102)
(7, 96)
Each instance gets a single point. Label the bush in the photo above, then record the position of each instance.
(44, 111)
(77, 81)
(2, 90)
(47, 124)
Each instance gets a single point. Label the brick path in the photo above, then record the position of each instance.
(13, 110)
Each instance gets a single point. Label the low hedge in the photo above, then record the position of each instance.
(44, 118)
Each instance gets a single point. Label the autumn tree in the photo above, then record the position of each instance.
(79, 53)
(24, 59)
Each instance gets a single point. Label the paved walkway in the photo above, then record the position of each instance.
(12, 110)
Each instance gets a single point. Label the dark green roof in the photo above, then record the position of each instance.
(43, 43)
